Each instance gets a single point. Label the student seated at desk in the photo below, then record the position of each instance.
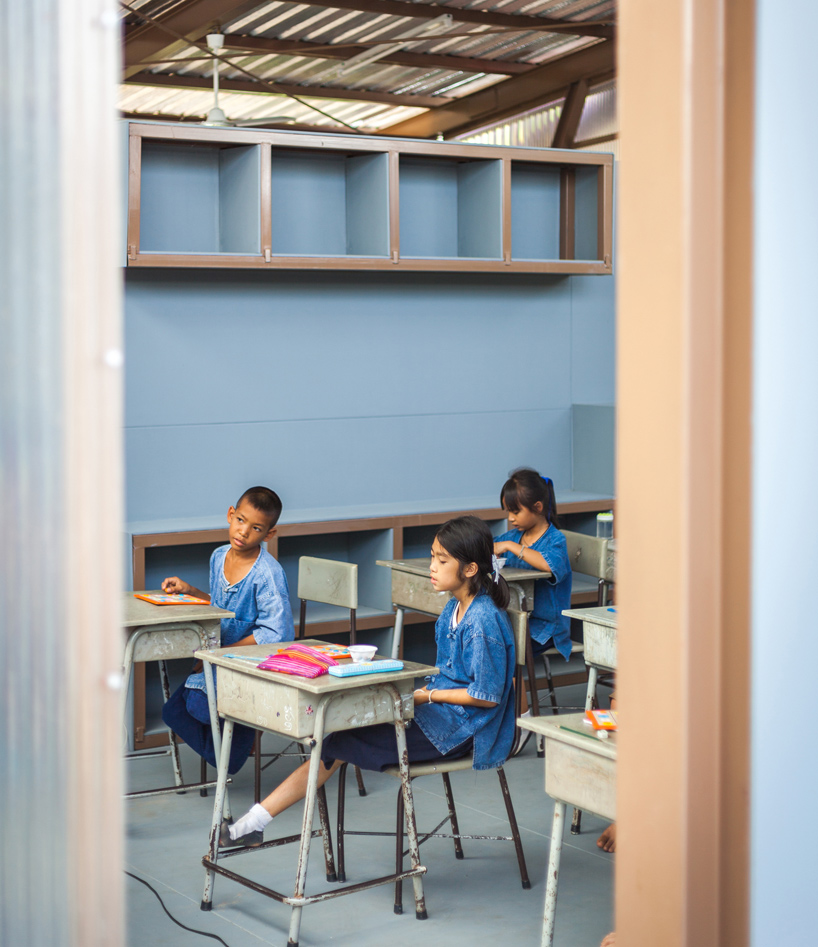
(467, 707)
(535, 542)
(247, 580)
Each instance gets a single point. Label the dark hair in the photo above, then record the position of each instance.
(525, 487)
(264, 500)
(468, 540)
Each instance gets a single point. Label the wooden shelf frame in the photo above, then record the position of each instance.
(566, 164)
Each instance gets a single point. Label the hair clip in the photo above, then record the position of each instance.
(495, 567)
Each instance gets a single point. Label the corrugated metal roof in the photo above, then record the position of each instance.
(327, 26)
(536, 128)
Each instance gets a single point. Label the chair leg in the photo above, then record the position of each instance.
(257, 770)
(398, 907)
(515, 831)
(551, 692)
(323, 815)
(576, 822)
(342, 783)
(203, 777)
(533, 694)
(447, 788)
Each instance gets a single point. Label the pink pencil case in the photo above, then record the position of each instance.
(300, 660)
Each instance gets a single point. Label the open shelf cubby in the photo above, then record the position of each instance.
(554, 212)
(200, 198)
(359, 546)
(417, 540)
(450, 208)
(329, 204)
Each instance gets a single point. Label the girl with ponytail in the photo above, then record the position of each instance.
(535, 542)
(467, 706)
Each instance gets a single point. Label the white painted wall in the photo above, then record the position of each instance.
(785, 457)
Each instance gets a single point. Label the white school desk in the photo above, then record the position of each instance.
(161, 633)
(412, 588)
(599, 636)
(580, 771)
(306, 709)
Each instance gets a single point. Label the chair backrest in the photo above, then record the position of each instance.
(328, 581)
(588, 555)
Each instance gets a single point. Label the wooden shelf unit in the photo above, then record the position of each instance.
(222, 197)
(158, 554)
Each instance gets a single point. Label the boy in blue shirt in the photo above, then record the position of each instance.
(247, 580)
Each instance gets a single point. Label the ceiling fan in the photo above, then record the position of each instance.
(216, 116)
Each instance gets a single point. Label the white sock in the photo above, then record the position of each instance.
(252, 821)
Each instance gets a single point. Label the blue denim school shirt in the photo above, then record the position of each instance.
(261, 602)
(479, 655)
(551, 595)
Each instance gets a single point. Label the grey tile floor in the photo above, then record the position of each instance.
(476, 901)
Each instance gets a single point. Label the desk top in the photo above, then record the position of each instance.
(318, 685)
(421, 567)
(600, 615)
(137, 612)
(570, 729)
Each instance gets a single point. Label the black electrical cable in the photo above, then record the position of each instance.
(191, 929)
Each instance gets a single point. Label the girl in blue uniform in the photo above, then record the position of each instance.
(467, 707)
(535, 542)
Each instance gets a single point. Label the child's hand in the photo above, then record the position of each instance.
(503, 547)
(175, 585)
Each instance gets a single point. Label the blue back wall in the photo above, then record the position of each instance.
(343, 390)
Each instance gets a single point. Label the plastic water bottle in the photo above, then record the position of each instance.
(604, 525)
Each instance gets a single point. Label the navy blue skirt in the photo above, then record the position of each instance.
(375, 748)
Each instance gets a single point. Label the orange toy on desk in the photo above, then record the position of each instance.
(167, 598)
(603, 719)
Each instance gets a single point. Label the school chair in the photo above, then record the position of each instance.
(443, 768)
(588, 555)
(328, 582)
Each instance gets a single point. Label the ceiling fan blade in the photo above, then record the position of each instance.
(269, 120)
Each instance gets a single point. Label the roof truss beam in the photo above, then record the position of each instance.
(568, 124)
(263, 45)
(192, 19)
(508, 98)
(485, 17)
(302, 92)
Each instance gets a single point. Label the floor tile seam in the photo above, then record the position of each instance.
(214, 913)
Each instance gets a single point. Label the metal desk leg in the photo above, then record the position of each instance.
(210, 686)
(127, 673)
(174, 743)
(218, 806)
(590, 694)
(398, 633)
(408, 805)
(306, 825)
(553, 875)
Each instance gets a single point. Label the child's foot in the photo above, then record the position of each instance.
(248, 831)
(607, 841)
(250, 840)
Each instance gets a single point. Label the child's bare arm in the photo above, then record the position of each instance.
(174, 585)
(530, 556)
(457, 695)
